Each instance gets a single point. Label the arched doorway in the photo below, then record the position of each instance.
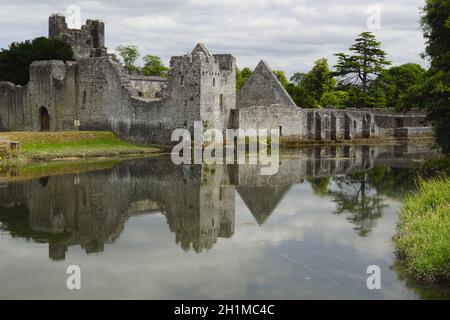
(44, 118)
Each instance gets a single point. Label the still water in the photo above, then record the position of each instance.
(149, 229)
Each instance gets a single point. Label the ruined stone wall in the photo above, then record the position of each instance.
(51, 87)
(12, 106)
(290, 120)
(148, 87)
(89, 41)
(331, 124)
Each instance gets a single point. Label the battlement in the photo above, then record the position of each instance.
(89, 41)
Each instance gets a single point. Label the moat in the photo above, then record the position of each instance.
(147, 228)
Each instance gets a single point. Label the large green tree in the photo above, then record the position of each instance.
(356, 71)
(435, 92)
(319, 80)
(153, 66)
(129, 55)
(16, 59)
(316, 87)
(394, 84)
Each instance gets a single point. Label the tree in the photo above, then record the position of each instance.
(297, 78)
(242, 77)
(353, 197)
(335, 98)
(360, 69)
(282, 78)
(129, 55)
(319, 79)
(301, 96)
(397, 81)
(153, 66)
(15, 61)
(317, 87)
(435, 92)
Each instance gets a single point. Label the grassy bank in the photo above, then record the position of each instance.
(72, 144)
(423, 236)
(34, 170)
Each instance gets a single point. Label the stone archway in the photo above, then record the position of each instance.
(44, 118)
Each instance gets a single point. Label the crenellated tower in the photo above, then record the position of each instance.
(204, 86)
(89, 41)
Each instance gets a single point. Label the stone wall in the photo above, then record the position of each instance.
(289, 120)
(148, 87)
(89, 41)
(51, 89)
(12, 106)
(331, 124)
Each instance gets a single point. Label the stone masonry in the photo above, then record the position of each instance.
(96, 93)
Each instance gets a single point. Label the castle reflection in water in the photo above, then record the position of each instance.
(198, 201)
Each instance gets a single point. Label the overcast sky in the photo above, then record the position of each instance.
(288, 34)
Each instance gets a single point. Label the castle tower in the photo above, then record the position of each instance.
(203, 86)
(89, 41)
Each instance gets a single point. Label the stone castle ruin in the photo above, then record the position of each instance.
(96, 93)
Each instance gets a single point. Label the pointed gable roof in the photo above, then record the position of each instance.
(263, 89)
(262, 201)
(200, 47)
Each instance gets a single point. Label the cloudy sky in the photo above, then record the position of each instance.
(289, 34)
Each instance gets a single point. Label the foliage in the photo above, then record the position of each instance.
(358, 70)
(129, 55)
(319, 79)
(242, 77)
(393, 84)
(297, 78)
(153, 66)
(282, 78)
(424, 231)
(434, 94)
(16, 59)
(336, 98)
(314, 88)
(354, 198)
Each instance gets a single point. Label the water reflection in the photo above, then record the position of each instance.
(309, 231)
(198, 202)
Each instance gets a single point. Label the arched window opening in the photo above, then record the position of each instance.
(44, 118)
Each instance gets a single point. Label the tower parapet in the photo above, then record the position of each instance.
(89, 41)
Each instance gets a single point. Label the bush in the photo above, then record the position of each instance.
(423, 234)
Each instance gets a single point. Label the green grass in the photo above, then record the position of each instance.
(51, 145)
(423, 234)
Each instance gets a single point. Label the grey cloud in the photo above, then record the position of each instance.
(289, 34)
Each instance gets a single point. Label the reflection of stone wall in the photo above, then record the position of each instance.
(90, 209)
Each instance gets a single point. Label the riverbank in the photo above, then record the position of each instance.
(422, 240)
(69, 145)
